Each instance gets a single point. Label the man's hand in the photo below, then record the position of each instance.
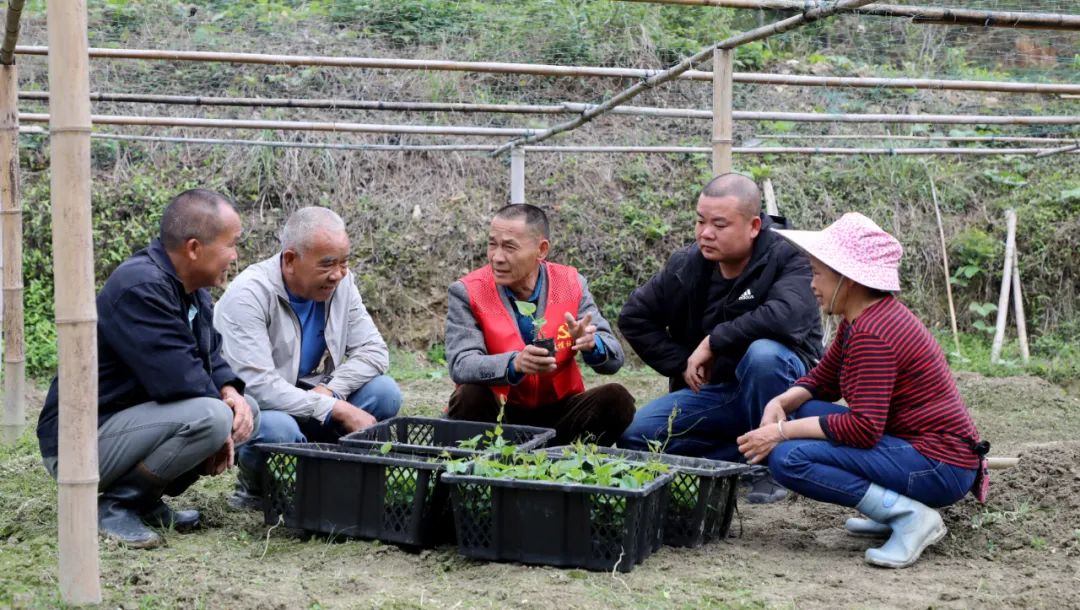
(243, 420)
(350, 417)
(699, 366)
(323, 390)
(534, 360)
(583, 332)
(222, 459)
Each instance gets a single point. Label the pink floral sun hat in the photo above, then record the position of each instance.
(856, 248)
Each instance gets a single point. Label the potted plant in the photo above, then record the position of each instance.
(528, 310)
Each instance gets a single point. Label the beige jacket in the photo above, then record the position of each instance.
(261, 341)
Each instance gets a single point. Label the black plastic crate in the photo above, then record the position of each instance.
(434, 436)
(356, 492)
(558, 524)
(702, 497)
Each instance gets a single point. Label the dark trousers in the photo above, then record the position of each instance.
(598, 415)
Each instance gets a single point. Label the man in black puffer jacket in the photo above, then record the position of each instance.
(731, 321)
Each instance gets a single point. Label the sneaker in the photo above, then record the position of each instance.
(244, 500)
(765, 490)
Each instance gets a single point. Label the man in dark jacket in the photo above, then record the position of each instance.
(731, 321)
(169, 408)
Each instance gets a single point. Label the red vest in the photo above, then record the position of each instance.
(501, 333)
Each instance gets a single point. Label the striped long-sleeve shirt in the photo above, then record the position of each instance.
(896, 381)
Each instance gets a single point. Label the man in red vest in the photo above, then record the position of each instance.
(490, 332)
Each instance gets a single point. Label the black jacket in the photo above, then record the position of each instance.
(771, 299)
(146, 350)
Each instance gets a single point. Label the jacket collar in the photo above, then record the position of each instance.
(160, 258)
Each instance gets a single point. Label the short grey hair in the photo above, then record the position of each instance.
(303, 223)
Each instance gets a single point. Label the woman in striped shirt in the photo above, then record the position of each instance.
(905, 442)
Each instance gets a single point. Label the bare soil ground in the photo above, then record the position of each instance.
(1022, 549)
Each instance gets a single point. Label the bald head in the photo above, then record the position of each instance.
(743, 189)
(194, 214)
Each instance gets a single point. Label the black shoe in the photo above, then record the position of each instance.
(121, 505)
(163, 516)
(765, 490)
(243, 499)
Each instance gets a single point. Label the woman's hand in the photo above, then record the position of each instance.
(756, 445)
(774, 412)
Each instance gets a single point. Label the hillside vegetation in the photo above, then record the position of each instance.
(418, 220)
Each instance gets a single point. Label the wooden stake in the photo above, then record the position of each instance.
(11, 238)
(770, 198)
(76, 314)
(1001, 463)
(1018, 309)
(1006, 281)
(723, 122)
(517, 176)
(945, 265)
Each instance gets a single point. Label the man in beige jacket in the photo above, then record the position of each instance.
(294, 328)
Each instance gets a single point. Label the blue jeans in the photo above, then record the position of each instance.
(380, 397)
(707, 423)
(839, 474)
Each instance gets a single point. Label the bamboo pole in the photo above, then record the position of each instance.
(991, 139)
(723, 124)
(1018, 309)
(684, 66)
(770, 198)
(449, 107)
(11, 32)
(1006, 281)
(1063, 149)
(685, 150)
(945, 264)
(917, 14)
(517, 176)
(1065, 90)
(11, 239)
(76, 314)
(738, 115)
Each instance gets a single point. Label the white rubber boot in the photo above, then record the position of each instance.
(915, 526)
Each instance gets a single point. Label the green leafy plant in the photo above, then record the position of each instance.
(581, 464)
(982, 310)
(528, 310)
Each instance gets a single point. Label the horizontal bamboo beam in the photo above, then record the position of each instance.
(487, 148)
(917, 14)
(936, 119)
(795, 117)
(11, 31)
(683, 66)
(446, 130)
(991, 139)
(568, 71)
(455, 107)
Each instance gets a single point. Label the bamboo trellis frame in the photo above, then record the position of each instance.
(71, 132)
(917, 14)
(684, 66)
